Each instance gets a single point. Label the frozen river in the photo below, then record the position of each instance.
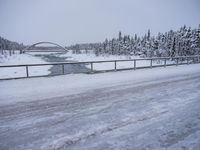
(57, 69)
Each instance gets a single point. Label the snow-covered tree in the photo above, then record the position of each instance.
(185, 41)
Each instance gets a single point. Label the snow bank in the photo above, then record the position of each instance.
(48, 87)
(21, 59)
(44, 70)
(108, 65)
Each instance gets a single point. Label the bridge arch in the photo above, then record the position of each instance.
(33, 45)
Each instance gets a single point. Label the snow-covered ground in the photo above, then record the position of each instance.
(109, 65)
(143, 109)
(21, 59)
(83, 57)
(32, 58)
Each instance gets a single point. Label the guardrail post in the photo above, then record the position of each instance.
(63, 69)
(187, 60)
(10, 52)
(134, 64)
(27, 73)
(115, 65)
(165, 62)
(198, 59)
(151, 63)
(91, 67)
(176, 61)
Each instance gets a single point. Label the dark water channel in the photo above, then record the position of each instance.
(68, 68)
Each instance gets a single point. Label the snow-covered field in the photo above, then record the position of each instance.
(110, 65)
(102, 66)
(21, 59)
(32, 58)
(143, 109)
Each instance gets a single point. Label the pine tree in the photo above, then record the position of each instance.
(148, 35)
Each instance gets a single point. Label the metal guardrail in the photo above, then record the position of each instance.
(181, 60)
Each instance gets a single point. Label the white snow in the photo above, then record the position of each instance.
(83, 57)
(109, 65)
(30, 58)
(21, 59)
(144, 109)
(47, 87)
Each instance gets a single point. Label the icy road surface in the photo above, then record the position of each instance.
(154, 109)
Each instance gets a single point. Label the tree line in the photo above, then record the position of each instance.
(9, 45)
(183, 42)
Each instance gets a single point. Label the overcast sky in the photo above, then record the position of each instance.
(80, 21)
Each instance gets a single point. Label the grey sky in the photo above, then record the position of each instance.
(79, 21)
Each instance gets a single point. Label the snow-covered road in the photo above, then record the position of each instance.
(143, 109)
